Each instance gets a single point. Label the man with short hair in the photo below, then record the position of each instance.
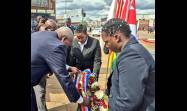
(48, 54)
(40, 21)
(85, 51)
(68, 24)
(132, 83)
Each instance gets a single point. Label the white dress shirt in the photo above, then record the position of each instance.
(80, 100)
(82, 45)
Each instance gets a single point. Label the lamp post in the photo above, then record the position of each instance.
(65, 2)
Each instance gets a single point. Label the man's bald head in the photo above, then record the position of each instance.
(51, 24)
(65, 34)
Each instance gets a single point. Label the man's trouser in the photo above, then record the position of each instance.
(40, 91)
(33, 100)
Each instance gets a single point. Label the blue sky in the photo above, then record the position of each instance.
(98, 8)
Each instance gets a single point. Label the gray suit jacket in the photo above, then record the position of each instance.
(133, 80)
(49, 54)
(90, 57)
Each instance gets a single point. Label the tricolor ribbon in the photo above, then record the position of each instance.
(86, 85)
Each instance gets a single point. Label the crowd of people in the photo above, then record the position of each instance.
(65, 51)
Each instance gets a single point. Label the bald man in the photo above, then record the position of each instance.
(48, 54)
(40, 89)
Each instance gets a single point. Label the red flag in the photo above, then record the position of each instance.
(122, 9)
(132, 13)
(132, 18)
(126, 10)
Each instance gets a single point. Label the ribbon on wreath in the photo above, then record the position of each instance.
(87, 86)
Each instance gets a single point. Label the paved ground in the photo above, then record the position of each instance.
(57, 100)
(149, 46)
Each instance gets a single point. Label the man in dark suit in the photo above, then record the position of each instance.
(48, 54)
(85, 51)
(68, 24)
(132, 83)
(40, 89)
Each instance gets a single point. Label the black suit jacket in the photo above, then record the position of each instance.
(90, 57)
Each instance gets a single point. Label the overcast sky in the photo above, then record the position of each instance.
(98, 8)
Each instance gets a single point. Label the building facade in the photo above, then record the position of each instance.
(43, 7)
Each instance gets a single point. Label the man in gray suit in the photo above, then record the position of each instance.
(85, 51)
(48, 54)
(132, 83)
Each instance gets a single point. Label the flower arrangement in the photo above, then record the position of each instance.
(87, 86)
